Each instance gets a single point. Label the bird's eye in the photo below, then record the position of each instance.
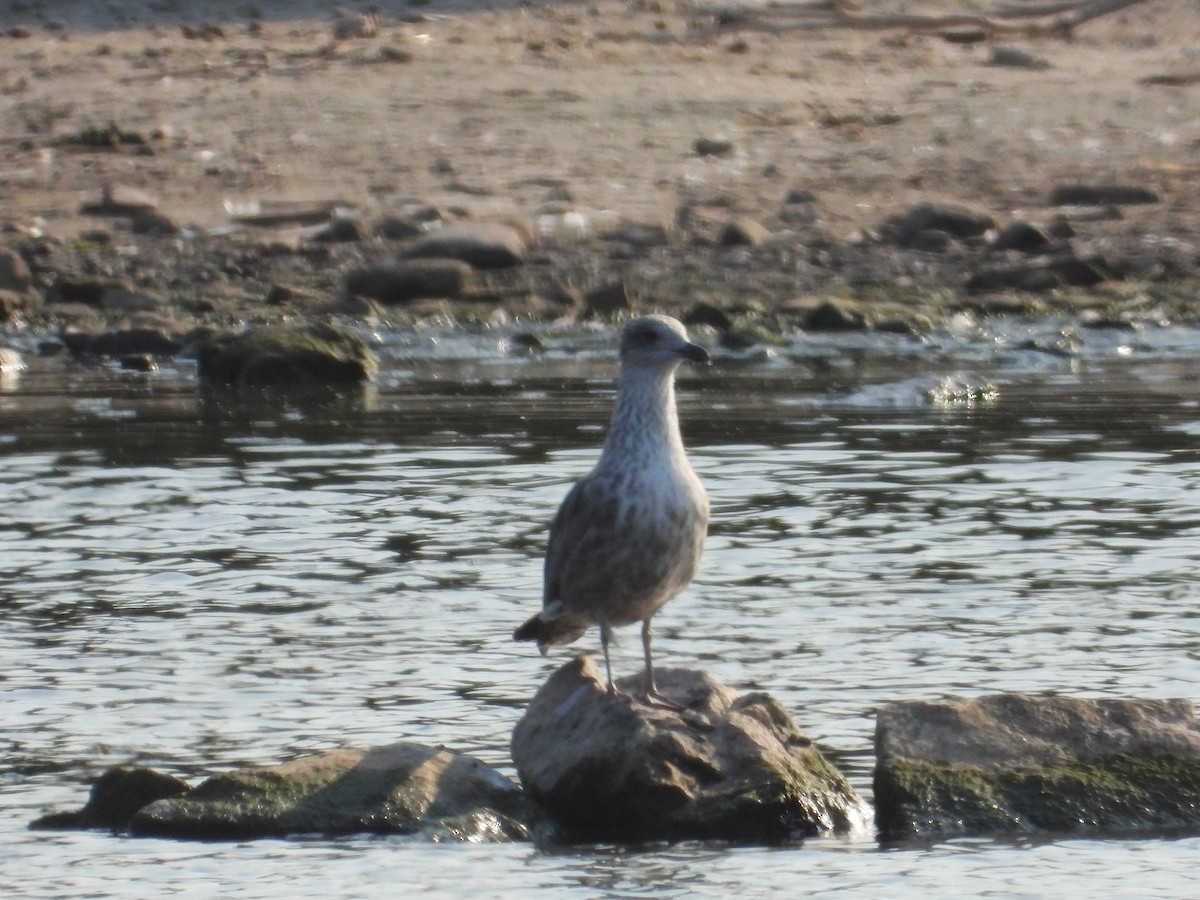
(647, 337)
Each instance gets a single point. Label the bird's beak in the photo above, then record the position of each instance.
(695, 353)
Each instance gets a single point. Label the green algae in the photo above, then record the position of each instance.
(1117, 794)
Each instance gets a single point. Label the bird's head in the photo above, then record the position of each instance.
(658, 342)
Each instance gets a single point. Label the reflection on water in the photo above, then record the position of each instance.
(199, 585)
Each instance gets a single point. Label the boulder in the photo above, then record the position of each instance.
(1014, 763)
(402, 788)
(743, 232)
(14, 272)
(319, 355)
(115, 797)
(482, 246)
(415, 280)
(919, 225)
(610, 768)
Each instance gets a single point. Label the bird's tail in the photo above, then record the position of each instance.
(551, 632)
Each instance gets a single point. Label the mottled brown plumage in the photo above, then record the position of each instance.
(628, 537)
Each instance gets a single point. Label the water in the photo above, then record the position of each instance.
(197, 585)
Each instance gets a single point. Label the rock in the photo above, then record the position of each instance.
(1101, 195)
(1041, 274)
(1018, 763)
(120, 200)
(14, 272)
(1017, 59)
(911, 227)
(401, 788)
(743, 232)
(713, 147)
(132, 341)
(394, 228)
(115, 797)
(828, 313)
(482, 246)
(414, 280)
(342, 230)
(726, 767)
(138, 362)
(127, 299)
(12, 304)
(607, 299)
(152, 223)
(1022, 237)
(707, 314)
(318, 355)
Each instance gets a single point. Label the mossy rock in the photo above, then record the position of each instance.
(1012, 763)
(402, 788)
(285, 357)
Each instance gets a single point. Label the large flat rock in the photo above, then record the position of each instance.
(401, 788)
(1014, 763)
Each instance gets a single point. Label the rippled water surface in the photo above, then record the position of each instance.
(195, 584)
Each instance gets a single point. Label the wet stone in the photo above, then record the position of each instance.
(115, 797)
(314, 356)
(403, 788)
(725, 766)
(1015, 763)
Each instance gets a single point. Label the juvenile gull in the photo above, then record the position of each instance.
(628, 536)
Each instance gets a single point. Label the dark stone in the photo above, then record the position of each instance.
(393, 228)
(343, 230)
(115, 797)
(707, 314)
(138, 362)
(1022, 237)
(1016, 763)
(725, 767)
(1017, 59)
(607, 299)
(151, 223)
(134, 341)
(836, 314)
(1041, 274)
(415, 280)
(958, 222)
(713, 147)
(401, 788)
(743, 232)
(482, 246)
(319, 355)
(1101, 195)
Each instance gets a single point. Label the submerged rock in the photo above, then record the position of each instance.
(319, 355)
(725, 767)
(1015, 763)
(115, 797)
(402, 788)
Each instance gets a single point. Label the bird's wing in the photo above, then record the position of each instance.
(587, 514)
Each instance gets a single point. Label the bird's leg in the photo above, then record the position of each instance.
(652, 696)
(605, 635)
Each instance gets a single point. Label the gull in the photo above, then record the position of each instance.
(629, 535)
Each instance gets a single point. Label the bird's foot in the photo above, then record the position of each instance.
(654, 699)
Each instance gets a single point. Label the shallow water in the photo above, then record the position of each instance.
(196, 584)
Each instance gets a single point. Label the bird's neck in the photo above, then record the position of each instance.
(645, 423)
